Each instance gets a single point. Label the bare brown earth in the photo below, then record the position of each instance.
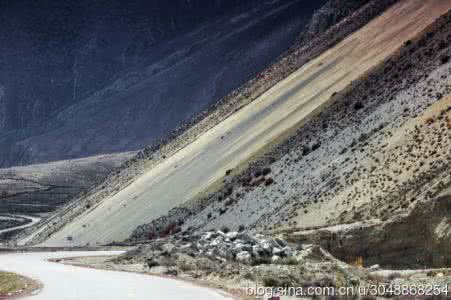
(284, 107)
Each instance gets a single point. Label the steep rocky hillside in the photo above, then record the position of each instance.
(337, 175)
(16, 104)
(112, 211)
(79, 79)
(299, 54)
(296, 176)
(359, 194)
(377, 157)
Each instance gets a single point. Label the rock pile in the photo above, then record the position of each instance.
(238, 247)
(243, 247)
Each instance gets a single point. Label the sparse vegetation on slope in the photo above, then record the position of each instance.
(334, 150)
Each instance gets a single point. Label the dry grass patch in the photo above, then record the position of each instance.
(12, 284)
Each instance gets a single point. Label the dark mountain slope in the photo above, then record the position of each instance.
(78, 79)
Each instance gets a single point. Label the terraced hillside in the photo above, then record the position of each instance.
(228, 145)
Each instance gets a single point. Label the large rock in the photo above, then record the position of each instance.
(243, 257)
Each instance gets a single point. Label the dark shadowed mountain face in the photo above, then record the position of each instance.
(79, 78)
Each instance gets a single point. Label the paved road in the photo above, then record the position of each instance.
(233, 141)
(62, 282)
(34, 220)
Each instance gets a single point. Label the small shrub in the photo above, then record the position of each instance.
(270, 282)
(184, 266)
(444, 59)
(225, 229)
(442, 45)
(241, 228)
(316, 146)
(170, 229)
(246, 180)
(358, 262)
(228, 191)
(229, 202)
(266, 171)
(152, 263)
(260, 261)
(258, 173)
(289, 261)
(269, 181)
(358, 105)
(394, 276)
(305, 150)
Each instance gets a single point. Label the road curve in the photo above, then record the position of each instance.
(64, 282)
(238, 138)
(34, 220)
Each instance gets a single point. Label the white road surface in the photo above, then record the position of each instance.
(63, 282)
(34, 220)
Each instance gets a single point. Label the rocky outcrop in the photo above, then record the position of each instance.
(330, 14)
(239, 257)
(218, 245)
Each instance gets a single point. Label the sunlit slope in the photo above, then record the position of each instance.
(191, 170)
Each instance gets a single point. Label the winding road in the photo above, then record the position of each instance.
(65, 282)
(34, 220)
